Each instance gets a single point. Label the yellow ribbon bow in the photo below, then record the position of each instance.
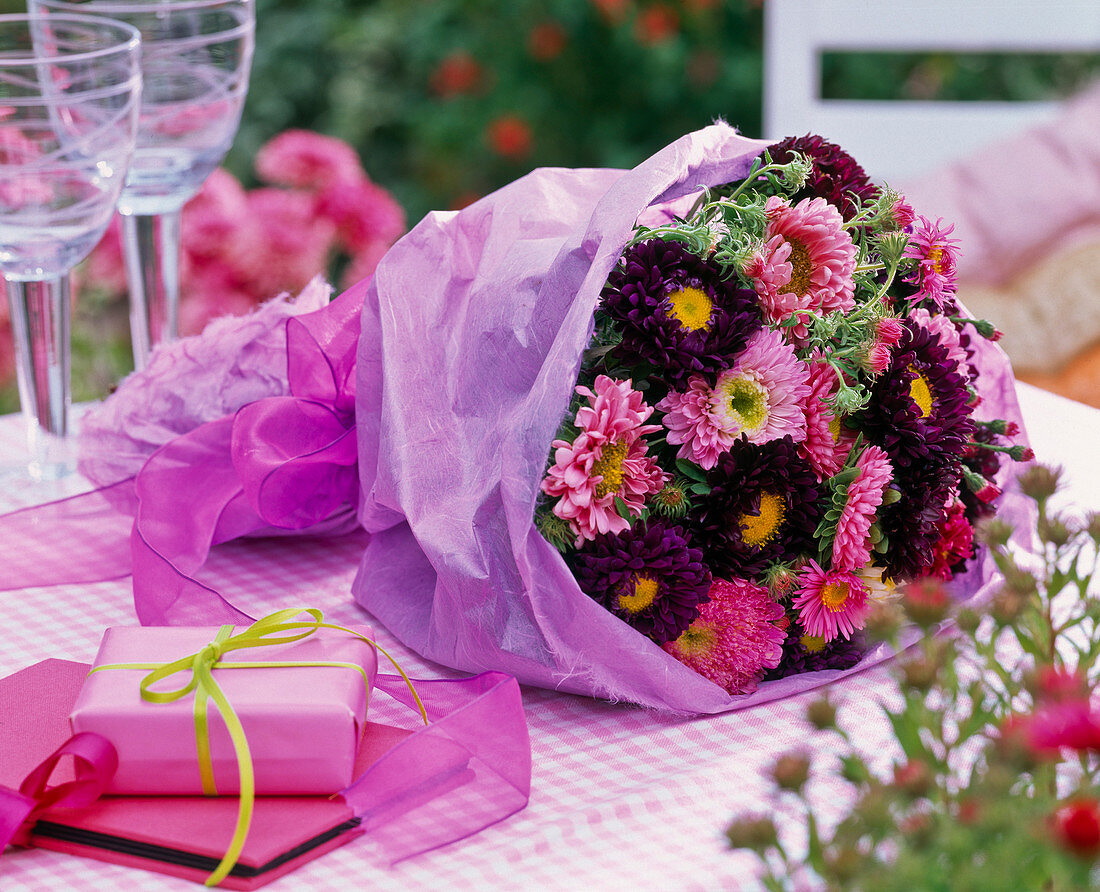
(266, 632)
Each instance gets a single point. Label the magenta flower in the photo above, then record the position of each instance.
(760, 398)
(851, 547)
(956, 542)
(736, 638)
(806, 264)
(827, 442)
(830, 602)
(936, 256)
(309, 160)
(606, 461)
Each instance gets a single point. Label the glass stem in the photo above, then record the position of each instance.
(151, 244)
(40, 325)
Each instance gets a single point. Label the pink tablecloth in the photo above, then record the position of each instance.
(621, 799)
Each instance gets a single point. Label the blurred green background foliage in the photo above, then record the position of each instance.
(446, 100)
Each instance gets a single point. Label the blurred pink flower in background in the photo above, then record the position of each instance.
(321, 213)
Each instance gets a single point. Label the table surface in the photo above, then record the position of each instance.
(622, 798)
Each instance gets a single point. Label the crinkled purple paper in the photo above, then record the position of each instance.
(235, 361)
(472, 335)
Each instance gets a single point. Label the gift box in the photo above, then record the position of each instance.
(302, 716)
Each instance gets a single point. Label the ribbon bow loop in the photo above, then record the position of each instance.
(95, 763)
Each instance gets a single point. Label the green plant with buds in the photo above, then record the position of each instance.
(995, 782)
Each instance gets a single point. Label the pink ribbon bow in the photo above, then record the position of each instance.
(95, 764)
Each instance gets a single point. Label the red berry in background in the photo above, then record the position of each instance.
(1077, 827)
(656, 24)
(546, 41)
(457, 74)
(510, 137)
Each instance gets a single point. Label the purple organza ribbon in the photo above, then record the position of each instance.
(472, 765)
(282, 462)
(95, 762)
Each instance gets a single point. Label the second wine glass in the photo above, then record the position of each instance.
(196, 57)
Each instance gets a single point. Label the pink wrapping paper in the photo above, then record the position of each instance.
(303, 724)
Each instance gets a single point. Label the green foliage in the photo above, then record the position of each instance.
(597, 84)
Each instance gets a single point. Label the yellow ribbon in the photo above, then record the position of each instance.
(265, 632)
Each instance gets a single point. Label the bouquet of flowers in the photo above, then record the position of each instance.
(774, 421)
(659, 434)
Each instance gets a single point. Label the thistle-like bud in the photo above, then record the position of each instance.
(926, 602)
(1040, 482)
(993, 532)
(791, 771)
(674, 499)
(797, 171)
(1053, 530)
(891, 246)
(821, 713)
(758, 834)
(554, 530)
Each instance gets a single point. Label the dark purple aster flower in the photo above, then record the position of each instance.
(918, 411)
(649, 576)
(912, 525)
(675, 312)
(807, 653)
(763, 508)
(836, 176)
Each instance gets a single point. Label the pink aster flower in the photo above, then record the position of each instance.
(851, 548)
(936, 256)
(806, 264)
(607, 461)
(761, 398)
(945, 331)
(830, 602)
(827, 442)
(736, 637)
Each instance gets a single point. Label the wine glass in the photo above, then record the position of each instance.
(196, 58)
(69, 93)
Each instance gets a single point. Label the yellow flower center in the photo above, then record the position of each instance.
(920, 393)
(698, 638)
(609, 466)
(935, 257)
(834, 595)
(691, 307)
(801, 268)
(834, 429)
(640, 593)
(812, 644)
(743, 402)
(760, 529)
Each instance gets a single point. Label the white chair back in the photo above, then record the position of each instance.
(897, 140)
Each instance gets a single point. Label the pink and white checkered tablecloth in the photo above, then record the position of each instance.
(622, 798)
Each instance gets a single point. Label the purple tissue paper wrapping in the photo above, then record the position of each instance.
(303, 724)
(472, 335)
